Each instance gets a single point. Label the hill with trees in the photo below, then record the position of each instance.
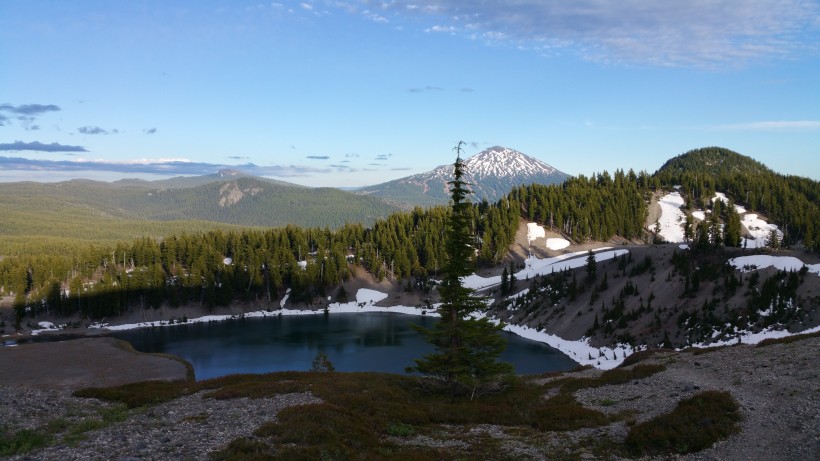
(791, 201)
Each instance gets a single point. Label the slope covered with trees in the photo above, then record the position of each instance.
(595, 208)
(187, 262)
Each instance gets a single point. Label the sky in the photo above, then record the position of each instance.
(354, 93)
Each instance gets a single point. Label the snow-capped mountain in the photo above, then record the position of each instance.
(492, 173)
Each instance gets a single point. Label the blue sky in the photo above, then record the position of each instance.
(352, 93)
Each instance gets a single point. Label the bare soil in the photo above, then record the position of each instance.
(85, 362)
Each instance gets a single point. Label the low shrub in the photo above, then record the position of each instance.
(609, 377)
(695, 424)
(139, 394)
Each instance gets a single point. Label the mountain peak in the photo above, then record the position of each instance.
(492, 173)
(501, 161)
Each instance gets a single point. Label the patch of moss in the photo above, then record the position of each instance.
(22, 441)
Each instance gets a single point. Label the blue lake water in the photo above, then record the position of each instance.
(381, 342)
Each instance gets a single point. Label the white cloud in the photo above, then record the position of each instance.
(703, 33)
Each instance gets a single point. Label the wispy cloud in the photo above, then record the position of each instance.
(28, 109)
(318, 157)
(25, 113)
(149, 131)
(154, 166)
(424, 89)
(40, 147)
(665, 33)
(772, 125)
(95, 130)
(765, 125)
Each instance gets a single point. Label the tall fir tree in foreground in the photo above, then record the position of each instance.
(465, 360)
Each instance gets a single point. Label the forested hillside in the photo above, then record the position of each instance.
(201, 265)
(217, 268)
(595, 208)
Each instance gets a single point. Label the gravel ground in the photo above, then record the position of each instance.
(777, 389)
(187, 428)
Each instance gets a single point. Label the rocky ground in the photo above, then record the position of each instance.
(777, 388)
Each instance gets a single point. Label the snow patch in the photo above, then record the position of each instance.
(535, 231)
(537, 266)
(759, 229)
(284, 299)
(368, 296)
(557, 243)
(748, 337)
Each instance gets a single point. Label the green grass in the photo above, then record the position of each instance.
(22, 441)
(694, 425)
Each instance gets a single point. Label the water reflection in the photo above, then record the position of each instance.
(352, 342)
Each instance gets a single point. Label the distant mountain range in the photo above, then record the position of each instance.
(229, 197)
(492, 174)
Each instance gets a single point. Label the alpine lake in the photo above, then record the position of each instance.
(381, 342)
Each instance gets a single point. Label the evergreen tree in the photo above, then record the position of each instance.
(505, 282)
(511, 286)
(591, 266)
(467, 348)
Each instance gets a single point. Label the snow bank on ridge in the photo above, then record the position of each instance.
(785, 263)
(672, 218)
